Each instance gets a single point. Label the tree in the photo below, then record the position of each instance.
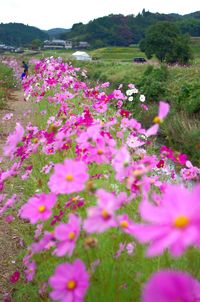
(35, 44)
(165, 41)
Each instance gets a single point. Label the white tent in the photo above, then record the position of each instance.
(81, 56)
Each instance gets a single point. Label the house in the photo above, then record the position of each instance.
(57, 44)
(81, 56)
(83, 44)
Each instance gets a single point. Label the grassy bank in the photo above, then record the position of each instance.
(6, 82)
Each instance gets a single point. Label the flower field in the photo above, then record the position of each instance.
(102, 212)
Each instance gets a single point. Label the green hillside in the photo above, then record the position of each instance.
(18, 34)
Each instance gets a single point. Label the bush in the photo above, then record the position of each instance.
(153, 82)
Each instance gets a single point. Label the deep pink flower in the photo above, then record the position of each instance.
(15, 277)
(69, 282)
(67, 234)
(101, 217)
(174, 224)
(38, 207)
(171, 286)
(69, 177)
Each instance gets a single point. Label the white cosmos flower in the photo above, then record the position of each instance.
(135, 90)
(142, 98)
(130, 98)
(129, 91)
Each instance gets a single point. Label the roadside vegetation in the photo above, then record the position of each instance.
(74, 123)
(7, 82)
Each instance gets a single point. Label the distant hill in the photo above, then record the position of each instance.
(195, 15)
(18, 34)
(56, 32)
(120, 30)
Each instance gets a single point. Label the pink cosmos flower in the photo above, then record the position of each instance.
(121, 163)
(174, 224)
(101, 217)
(191, 172)
(12, 141)
(162, 113)
(69, 282)
(67, 234)
(69, 177)
(125, 223)
(38, 207)
(100, 107)
(30, 270)
(169, 286)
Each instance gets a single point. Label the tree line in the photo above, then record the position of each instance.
(119, 30)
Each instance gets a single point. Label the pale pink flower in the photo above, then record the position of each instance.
(162, 112)
(101, 217)
(68, 177)
(12, 141)
(174, 224)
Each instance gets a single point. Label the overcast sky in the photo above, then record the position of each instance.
(47, 14)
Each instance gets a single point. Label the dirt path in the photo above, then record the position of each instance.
(9, 241)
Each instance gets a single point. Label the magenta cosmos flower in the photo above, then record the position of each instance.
(38, 207)
(171, 286)
(68, 177)
(69, 282)
(67, 234)
(174, 224)
(102, 216)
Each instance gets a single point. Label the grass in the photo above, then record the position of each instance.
(6, 82)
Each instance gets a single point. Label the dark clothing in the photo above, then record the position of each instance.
(23, 75)
(25, 66)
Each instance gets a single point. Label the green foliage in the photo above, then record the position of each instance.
(153, 82)
(182, 132)
(17, 34)
(119, 30)
(6, 82)
(37, 43)
(165, 42)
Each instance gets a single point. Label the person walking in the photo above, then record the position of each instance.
(25, 66)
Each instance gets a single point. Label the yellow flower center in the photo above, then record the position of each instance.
(41, 209)
(124, 224)
(100, 152)
(157, 120)
(181, 222)
(71, 235)
(105, 214)
(69, 177)
(71, 284)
